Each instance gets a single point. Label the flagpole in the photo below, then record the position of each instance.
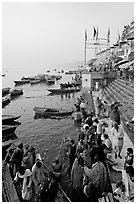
(85, 52)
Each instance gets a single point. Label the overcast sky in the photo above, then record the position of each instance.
(40, 34)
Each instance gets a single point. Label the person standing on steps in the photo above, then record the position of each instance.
(118, 139)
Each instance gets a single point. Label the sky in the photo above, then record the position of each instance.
(39, 34)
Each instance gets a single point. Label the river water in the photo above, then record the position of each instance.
(41, 133)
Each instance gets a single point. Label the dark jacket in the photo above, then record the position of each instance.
(115, 116)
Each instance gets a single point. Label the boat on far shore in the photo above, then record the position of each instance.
(65, 90)
(35, 81)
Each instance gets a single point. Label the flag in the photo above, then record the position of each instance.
(108, 36)
(118, 38)
(95, 32)
(85, 35)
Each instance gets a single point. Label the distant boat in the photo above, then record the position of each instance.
(58, 77)
(61, 91)
(5, 91)
(3, 75)
(50, 81)
(6, 119)
(35, 81)
(48, 112)
(48, 71)
(5, 101)
(22, 81)
(16, 92)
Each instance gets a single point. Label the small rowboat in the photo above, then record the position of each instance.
(6, 119)
(48, 112)
(63, 91)
(5, 91)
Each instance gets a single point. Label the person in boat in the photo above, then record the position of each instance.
(16, 159)
(77, 179)
(7, 159)
(29, 158)
(48, 189)
(72, 153)
(38, 175)
(95, 188)
(26, 177)
(57, 168)
(129, 159)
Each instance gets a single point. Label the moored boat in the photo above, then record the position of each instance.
(5, 91)
(8, 129)
(35, 81)
(5, 101)
(48, 112)
(6, 119)
(16, 92)
(61, 91)
(22, 81)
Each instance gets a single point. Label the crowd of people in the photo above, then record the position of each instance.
(32, 178)
(95, 153)
(90, 160)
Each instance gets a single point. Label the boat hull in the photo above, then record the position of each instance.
(5, 91)
(6, 119)
(7, 129)
(63, 91)
(20, 82)
(35, 81)
(5, 102)
(44, 112)
(16, 92)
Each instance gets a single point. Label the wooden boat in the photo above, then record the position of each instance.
(35, 81)
(8, 129)
(61, 91)
(5, 91)
(16, 92)
(5, 146)
(11, 191)
(48, 112)
(22, 81)
(6, 119)
(5, 101)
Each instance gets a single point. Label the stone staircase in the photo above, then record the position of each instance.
(120, 90)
